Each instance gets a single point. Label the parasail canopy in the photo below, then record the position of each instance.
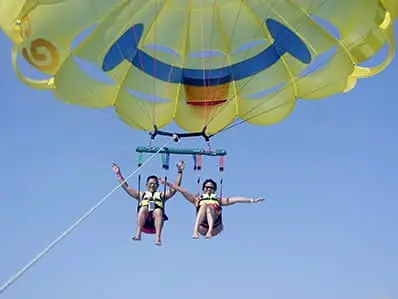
(200, 63)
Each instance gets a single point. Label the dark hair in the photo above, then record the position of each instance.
(152, 177)
(209, 181)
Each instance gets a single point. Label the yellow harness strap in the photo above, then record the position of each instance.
(208, 199)
(148, 197)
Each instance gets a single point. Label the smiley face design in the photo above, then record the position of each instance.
(285, 42)
(198, 63)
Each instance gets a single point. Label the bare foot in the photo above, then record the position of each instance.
(136, 238)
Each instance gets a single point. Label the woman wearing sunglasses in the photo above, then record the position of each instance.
(151, 203)
(209, 207)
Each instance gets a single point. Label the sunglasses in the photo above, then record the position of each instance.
(209, 187)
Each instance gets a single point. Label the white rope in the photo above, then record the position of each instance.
(74, 225)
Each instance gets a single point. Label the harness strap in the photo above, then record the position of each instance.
(221, 170)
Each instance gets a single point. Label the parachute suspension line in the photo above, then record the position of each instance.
(164, 191)
(139, 184)
(166, 167)
(213, 21)
(227, 44)
(166, 161)
(197, 168)
(75, 224)
(245, 55)
(139, 159)
(221, 171)
(139, 173)
(315, 67)
(195, 165)
(155, 30)
(205, 93)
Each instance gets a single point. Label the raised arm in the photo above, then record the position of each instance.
(130, 191)
(188, 195)
(170, 192)
(227, 201)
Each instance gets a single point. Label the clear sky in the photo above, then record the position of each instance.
(327, 230)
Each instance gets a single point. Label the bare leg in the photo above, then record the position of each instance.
(158, 215)
(199, 218)
(216, 230)
(210, 214)
(141, 218)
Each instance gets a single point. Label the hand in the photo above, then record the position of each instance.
(115, 168)
(180, 166)
(258, 199)
(163, 181)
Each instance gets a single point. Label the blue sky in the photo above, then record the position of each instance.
(327, 229)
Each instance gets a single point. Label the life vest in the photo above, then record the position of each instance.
(209, 199)
(151, 200)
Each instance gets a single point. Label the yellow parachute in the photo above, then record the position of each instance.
(201, 63)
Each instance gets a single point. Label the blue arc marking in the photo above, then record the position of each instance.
(285, 42)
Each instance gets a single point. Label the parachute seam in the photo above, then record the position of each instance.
(146, 111)
(183, 55)
(282, 59)
(219, 110)
(237, 123)
(118, 88)
(227, 58)
(151, 26)
(292, 82)
(93, 91)
(260, 29)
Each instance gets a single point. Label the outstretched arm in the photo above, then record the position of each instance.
(130, 191)
(188, 195)
(170, 192)
(233, 200)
